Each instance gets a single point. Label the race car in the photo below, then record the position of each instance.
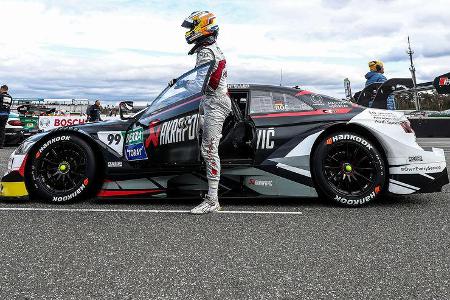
(277, 142)
(15, 130)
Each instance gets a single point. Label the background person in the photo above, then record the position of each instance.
(93, 112)
(376, 76)
(5, 108)
(216, 105)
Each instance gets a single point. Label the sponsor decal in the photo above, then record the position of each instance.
(50, 122)
(178, 130)
(357, 201)
(384, 117)
(278, 105)
(154, 133)
(421, 169)
(238, 86)
(352, 137)
(134, 145)
(416, 158)
(114, 164)
(135, 136)
(338, 104)
(443, 81)
(264, 139)
(317, 100)
(135, 152)
(44, 122)
(68, 122)
(74, 194)
(260, 182)
(51, 141)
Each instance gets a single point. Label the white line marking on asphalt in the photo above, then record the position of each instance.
(250, 212)
(260, 212)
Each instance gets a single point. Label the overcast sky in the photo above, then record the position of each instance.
(131, 48)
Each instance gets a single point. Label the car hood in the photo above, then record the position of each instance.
(89, 128)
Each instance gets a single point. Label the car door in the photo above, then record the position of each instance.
(165, 137)
(277, 115)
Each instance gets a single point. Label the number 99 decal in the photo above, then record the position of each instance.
(113, 139)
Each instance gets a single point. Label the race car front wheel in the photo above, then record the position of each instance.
(62, 169)
(348, 169)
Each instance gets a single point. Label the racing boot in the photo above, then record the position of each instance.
(208, 205)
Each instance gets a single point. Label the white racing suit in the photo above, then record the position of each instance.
(214, 108)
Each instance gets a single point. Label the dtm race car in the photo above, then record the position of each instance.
(277, 142)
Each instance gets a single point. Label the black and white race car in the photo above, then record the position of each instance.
(277, 142)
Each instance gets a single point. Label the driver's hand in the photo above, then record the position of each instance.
(172, 82)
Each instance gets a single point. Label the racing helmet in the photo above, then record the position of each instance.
(376, 65)
(201, 24)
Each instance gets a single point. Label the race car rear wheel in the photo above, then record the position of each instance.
(348, 169)
(63, 169)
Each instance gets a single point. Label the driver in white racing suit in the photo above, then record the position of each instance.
(215, 106)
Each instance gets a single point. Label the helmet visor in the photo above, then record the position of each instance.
(189, 24)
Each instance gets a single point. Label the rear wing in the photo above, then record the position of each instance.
(30, 109)
(378, 93)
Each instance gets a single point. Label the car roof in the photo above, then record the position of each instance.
(245, 86)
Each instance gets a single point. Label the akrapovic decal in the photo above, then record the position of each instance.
(265, 139)
(134, 145)
(179, 130)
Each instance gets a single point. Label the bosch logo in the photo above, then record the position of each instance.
(443, 81)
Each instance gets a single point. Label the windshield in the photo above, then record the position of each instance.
(187, 85)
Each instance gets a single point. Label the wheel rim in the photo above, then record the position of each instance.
(62, 167)
(349, 168)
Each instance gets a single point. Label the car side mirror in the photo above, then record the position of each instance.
(125, 110)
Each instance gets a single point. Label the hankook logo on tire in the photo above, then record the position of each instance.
(72, 195)
(350, 137)
(355, 201)
(54, 140)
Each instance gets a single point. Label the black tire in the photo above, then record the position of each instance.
(348, 169)
(62, 169)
